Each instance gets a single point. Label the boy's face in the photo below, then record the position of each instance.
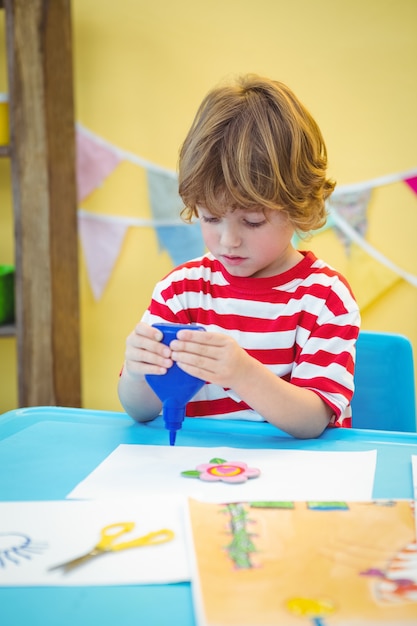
(250, 243)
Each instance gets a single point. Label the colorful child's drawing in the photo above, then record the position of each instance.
(295, 563)
(226, 471)
(397, 582)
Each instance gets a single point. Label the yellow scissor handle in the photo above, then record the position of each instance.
(110, 534)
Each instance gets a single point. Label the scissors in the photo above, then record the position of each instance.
(108, 543)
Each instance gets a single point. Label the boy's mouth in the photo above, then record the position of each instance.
(233, 260)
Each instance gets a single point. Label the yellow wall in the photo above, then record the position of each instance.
(140, 70)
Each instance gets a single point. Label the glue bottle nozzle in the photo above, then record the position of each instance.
(176, 387)
(173, 418)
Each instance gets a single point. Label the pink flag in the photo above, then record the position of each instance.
(95, 161)
(412, 183)
(101, 239)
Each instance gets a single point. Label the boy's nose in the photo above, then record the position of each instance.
(230, 237)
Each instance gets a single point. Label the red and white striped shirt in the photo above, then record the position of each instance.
(301, 324)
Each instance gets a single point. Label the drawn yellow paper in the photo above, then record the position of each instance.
(295, 563)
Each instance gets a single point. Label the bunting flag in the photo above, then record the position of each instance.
(102, 236)
(101, 240)
(412, 183)
(94, 163)
(182, 241)
(352, 207)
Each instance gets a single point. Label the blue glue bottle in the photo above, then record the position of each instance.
(176, 387)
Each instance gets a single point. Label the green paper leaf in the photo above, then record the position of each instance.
(218, 461)
(191, 473)
(272, 505)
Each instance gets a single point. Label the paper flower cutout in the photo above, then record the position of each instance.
(226, 471)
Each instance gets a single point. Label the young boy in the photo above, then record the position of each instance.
(281, 324)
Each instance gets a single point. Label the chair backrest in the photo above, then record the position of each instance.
(384, 397)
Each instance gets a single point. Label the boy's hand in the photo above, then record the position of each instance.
(145, 354)
(213, 357)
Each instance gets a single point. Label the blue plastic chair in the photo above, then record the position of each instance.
(384, 397)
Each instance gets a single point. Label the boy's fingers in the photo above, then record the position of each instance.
(148, 331)
(194, 335)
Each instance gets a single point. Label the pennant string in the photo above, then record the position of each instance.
(165, 201)
(131, 221)
(125, 155)
(353, 235)
(340, 189)
(375, 182)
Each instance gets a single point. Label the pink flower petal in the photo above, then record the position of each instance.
(252, 472)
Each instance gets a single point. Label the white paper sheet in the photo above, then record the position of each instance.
(132, 470)
(35, 536)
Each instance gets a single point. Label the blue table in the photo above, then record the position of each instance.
(46, 451)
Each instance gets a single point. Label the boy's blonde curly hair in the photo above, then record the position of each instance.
(254, 145)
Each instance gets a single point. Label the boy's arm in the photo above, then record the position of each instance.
(296, 410)
(218, 359)
(137, 398)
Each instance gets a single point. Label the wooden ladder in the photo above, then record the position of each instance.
(42, 153)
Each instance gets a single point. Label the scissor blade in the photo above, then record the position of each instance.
(67, 566)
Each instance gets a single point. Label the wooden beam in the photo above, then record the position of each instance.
(39, 52)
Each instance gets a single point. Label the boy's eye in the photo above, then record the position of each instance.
(209, 220)
(254, 224)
